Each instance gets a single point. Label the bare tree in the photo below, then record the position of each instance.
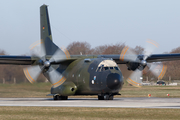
(173, 67)
(109, 49)
(138, 50)
(99, 50)
(76, 48)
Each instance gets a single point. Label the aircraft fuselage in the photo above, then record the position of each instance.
(91, 76)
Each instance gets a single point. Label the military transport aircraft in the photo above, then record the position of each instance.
(82, 74)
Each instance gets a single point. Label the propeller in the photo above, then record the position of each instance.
(137, 63)
(46, 64)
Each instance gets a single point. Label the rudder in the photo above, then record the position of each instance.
(46, 36)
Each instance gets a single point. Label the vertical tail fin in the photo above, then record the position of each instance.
(45, 23)
(46, 36)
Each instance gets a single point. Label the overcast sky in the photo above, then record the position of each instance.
(97, 22)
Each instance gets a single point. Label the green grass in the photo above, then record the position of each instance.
(42, 89)
(69, 113)
(25, 90)
(155, 91)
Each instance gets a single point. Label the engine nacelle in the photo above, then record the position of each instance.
(132, 66)
(66, 89)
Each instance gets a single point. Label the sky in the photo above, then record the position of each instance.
(97, 22)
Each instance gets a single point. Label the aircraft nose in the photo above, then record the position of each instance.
(113, 81)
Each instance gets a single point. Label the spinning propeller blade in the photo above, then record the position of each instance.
(55, 77)
(150, 47)
(46, 66)
(128, 54)
(158, 69)
(135, 78)
(58, 56)
(32, 73)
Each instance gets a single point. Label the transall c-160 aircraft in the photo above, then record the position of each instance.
(84, 74)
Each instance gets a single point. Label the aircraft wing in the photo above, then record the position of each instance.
(163, 57)
(27, 60)
(152, 58)
(16, 60)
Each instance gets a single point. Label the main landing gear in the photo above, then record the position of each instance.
(58, 97)
(105, 97)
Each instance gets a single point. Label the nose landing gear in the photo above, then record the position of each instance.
(58, 97)
(105, 97)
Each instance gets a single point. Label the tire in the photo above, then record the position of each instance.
(59, 97)
(111, 97)
(55, 97)
(106, 97)
(64, 97)
(100, 97)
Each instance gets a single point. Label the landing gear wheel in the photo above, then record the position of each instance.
(111, 97)
(57, 97)
(100, 97)
(105, 97)
(64, 97)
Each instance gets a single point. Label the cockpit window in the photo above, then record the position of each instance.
(99, 69)
(111, 68)
(106, 68)
(102, 68)
(107, 65)
(116, 68)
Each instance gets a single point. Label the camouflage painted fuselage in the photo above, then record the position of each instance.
(90, 76)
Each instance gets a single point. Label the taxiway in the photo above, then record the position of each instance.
(93, 102)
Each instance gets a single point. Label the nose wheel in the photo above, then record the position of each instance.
(105, 97)
(58, 97)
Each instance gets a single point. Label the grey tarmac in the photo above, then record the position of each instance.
(93, 102)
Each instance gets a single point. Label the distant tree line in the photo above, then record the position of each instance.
(9, 72)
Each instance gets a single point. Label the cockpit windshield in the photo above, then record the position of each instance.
(100, 69)
(107, 65)
(116, 68)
